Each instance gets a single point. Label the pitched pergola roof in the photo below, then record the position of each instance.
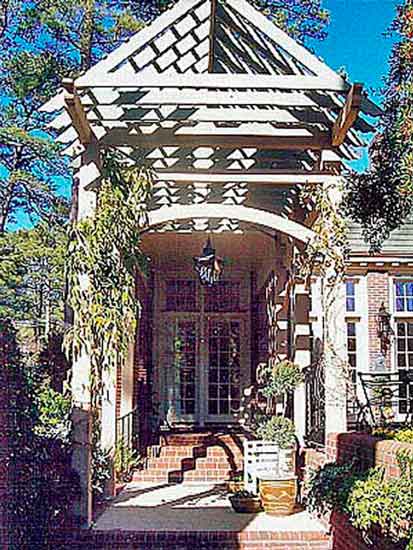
(216, 76)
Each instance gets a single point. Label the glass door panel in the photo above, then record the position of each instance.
(224, 368)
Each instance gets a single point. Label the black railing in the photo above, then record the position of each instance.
(315, 404)
(127, 431)
(388, 397)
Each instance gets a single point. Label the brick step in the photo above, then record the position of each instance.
(213, 540)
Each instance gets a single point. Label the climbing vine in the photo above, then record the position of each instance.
(104, 253)
(325, 255)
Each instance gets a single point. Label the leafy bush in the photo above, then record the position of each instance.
(125, 461)
(54, 414)
(404, 434)
(278, 429)
(101, 468)
(387, 503)
(329, 487)
(370, 499)
(280, 379)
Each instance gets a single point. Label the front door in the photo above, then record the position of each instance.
(204, 351)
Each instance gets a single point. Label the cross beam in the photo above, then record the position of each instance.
(77, 113)
(348, 114)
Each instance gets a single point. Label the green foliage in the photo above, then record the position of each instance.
(54, 414)
(280, 379)
(329, 487)
(103, 257)
(32, 275)
(101, 468)
(125, 461)
(370, 499)
(278, 429)
(381, 198)
(404, 434)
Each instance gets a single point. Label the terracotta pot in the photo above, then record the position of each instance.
(278, 496)
(246, 505)
(234, 486)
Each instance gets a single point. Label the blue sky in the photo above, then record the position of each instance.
(356, 40)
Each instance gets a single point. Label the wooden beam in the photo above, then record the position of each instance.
(348, 114)
(269, 178)
(162, 139)
(148, 79)
(160, 99)
(211, 55)
(76, 112)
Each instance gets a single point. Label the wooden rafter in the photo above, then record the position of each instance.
(145, 79)
(76, 112)
(211, 54)
(163, 139)
(347, 115)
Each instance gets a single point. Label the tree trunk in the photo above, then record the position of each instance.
(5, 207)
(86, 35)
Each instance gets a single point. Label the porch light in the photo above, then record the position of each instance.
(384, 330)
(208, 265)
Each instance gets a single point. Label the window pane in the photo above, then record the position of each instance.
(350, 304)
(409, 288)
(400, 304)
(399, 288)
(409, 304)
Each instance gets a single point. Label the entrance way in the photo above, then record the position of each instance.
(204, 350)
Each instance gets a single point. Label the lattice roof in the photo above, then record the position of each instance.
(215, 88)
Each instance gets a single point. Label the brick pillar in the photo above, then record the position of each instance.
(377, 293)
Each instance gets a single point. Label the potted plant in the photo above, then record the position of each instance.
(236, 482)
(278, 485)
(245, 502)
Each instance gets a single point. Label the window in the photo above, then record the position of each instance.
(181, 295)
(352, 356)
(404, 362)
(225, 296)
(350, 296)
(404, 296)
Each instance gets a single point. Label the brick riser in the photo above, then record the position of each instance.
(208, 462)
(282, 540)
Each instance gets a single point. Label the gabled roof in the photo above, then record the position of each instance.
(218, 75)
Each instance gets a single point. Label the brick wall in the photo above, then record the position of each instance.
(377, 293)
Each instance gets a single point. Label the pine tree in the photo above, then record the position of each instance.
(381, 198)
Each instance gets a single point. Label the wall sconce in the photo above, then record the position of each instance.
(384, 330)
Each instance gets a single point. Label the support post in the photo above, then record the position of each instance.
(85, 174)
(302, 355)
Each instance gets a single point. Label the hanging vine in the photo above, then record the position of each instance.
(104, 253)
(326, 253)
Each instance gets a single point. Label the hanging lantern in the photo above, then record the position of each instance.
(208, 265)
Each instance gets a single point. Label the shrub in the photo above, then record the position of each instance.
(278, 429)
(280, 379)
(54, 414)
(125, 461)
(329, 487)
(404, 434)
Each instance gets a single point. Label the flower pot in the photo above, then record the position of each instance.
(246, 505)
(278, 496)
(234, 486)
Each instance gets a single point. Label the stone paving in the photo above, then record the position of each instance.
(189, 507)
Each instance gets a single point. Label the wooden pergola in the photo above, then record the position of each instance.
(233, 117)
